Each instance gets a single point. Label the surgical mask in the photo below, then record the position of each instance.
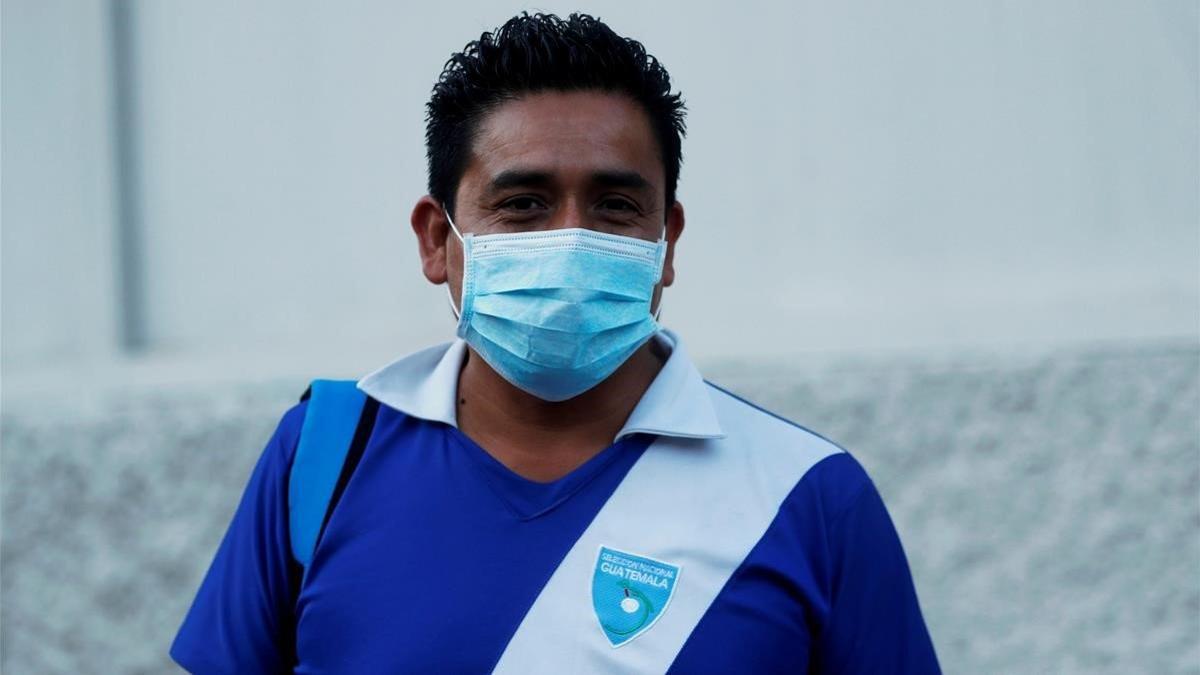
(555, 312)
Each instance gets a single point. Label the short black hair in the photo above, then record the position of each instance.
(540, 52)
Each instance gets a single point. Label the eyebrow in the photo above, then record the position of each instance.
(625, 179)
(531, 178)
(520, 178)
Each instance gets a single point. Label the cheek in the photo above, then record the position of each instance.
(454, 254)
(454, 268)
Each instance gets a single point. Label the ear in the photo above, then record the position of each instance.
(432, 230)
(674, 229)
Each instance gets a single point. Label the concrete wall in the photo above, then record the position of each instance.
(1047, 504)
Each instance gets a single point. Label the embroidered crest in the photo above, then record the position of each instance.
(630, 592)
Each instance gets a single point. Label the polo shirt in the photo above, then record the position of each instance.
(711, 536)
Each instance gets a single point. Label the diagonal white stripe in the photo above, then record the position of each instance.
(701, 504)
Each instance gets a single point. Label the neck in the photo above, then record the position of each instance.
(544, 439)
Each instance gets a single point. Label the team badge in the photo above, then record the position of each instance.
(630, 592)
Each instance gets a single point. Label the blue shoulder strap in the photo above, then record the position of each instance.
(334, 409)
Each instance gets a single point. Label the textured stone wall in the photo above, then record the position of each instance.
(1049, 505)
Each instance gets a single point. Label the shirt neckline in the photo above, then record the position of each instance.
(529, 499)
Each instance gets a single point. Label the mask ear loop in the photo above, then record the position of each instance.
(449, 295)
(662, 240)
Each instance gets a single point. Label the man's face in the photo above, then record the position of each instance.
(557, 160)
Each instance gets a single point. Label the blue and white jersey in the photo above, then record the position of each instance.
(710, 537)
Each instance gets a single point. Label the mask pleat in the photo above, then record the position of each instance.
(579, 317)
(546, 272)
(559, 349)
(551, 383)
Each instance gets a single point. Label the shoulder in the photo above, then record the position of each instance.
(814, 470)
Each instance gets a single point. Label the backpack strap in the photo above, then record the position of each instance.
(336, 427)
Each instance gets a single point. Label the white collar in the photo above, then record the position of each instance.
(424, 384)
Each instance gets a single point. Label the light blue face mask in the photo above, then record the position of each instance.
(555, 312)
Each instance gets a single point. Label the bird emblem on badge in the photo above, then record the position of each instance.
(630, 592)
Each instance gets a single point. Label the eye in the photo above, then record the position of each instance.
(618, 204)
(522, 204)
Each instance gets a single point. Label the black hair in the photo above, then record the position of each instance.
(540, 52)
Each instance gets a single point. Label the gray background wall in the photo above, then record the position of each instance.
(961, 238)
(858, 176)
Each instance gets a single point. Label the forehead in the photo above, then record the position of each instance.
(566, 134)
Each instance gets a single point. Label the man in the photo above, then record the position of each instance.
(559, 490)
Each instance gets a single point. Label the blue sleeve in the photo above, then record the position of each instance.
(241, 620)
(875, 623)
